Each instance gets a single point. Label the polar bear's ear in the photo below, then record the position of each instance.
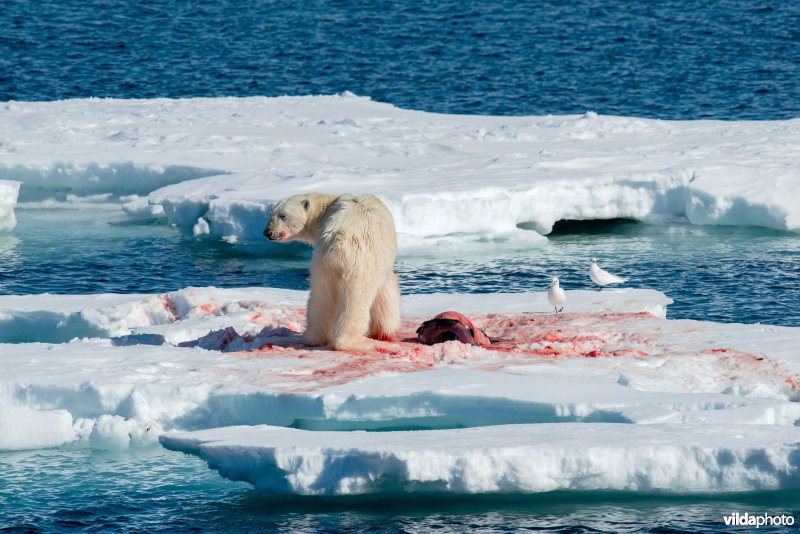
(306, 204)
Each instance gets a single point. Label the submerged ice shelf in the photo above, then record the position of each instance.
(215, 166)
(610, 395)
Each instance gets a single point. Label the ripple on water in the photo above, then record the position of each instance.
(153, 490)
(731, 60)
(722, 274)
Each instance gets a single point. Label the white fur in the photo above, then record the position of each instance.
(354, 291)
(556, 295)
(602, 277)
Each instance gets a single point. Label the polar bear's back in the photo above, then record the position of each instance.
(358, 225)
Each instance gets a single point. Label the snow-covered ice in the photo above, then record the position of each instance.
(215, 166)
(514, 458)
(610, 395)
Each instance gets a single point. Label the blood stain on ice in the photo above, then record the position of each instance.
(208, 309)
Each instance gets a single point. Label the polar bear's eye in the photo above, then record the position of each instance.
(282, 216)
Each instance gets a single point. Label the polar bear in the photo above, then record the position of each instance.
(354, 290)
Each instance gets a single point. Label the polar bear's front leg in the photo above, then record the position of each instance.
(319, 312)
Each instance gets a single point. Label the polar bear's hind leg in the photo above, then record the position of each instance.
(385, 313)
(352, 316)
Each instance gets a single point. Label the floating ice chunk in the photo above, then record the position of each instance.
(515, 458)
(201, 228)
(141, 208)
(112, 432)
(9, 192)
(25, 428)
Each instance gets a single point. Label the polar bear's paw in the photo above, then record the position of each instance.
(351, 343)
(309, 339)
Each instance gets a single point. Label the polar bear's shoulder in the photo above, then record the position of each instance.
(357, 215)
(365, 204)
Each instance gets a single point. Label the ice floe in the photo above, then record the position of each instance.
(508, 459)
(609, 395)
(215, 166)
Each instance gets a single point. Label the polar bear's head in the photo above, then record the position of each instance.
(288, 219)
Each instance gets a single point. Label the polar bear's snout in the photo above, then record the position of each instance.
(269, 232)
(273, 232)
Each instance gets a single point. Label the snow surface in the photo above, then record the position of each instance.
(215, 166)
(610, 395)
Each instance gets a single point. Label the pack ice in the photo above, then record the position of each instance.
(215, 166)
(609, 396)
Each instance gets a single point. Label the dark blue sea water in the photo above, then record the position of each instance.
(671, 59)
(676, 59)
(153, 490)
(724, 274)
(727, 274)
